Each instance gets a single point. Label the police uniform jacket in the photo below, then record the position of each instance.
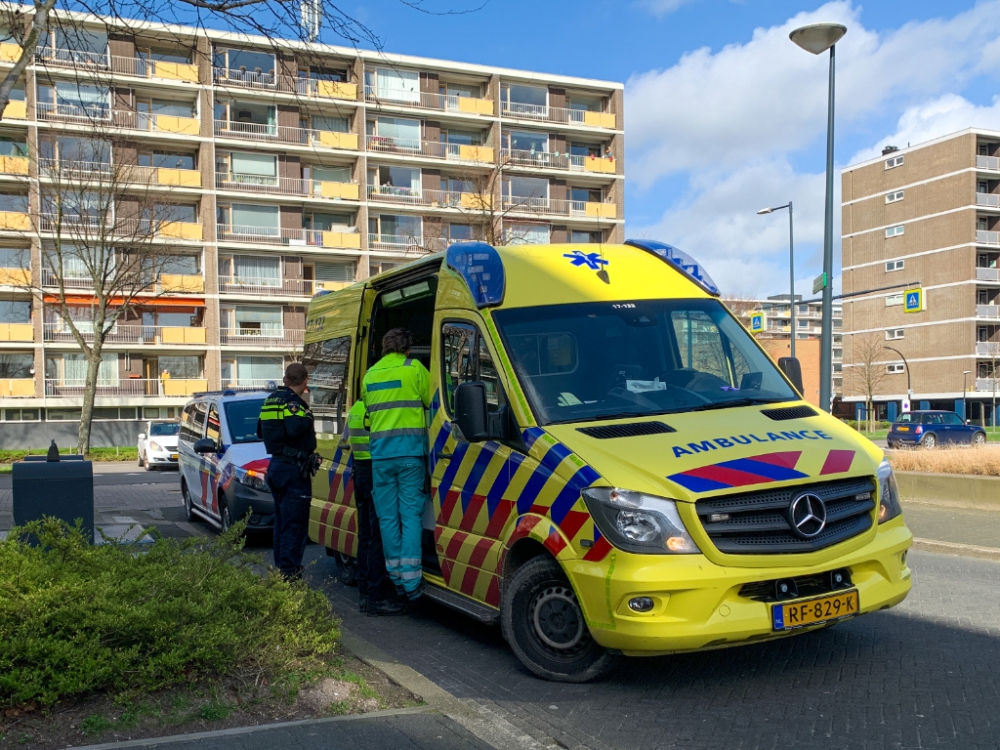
(286, 425)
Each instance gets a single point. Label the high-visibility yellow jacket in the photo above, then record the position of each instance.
(396, 391)
(357, 431)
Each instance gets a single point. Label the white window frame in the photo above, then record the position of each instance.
(895, 231)
(894, 197)
(895, 334)
(892, 300)
(894, 265)
(896, 368)
(894, 161)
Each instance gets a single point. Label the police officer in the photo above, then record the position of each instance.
(371, 573)
(396, 390)
(286, 426)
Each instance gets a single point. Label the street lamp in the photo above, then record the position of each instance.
(817, 38)
(965, 392)
(909, 390)
(791, 264)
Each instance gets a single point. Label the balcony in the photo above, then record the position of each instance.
(984, 237)
(257, 337)
(565, 115)
(167, 71)
(991, 163)
(14, 165)
(20, 332)
(124, 175)
(165, 176)
(988, 312)
(987, 349)
(9, 52)
(251, 384)
(402, 245)
(87, 226)
(152, 123)
(59, 333)
(258, 80)
(14, 221)
(291, 237)
(560, 207)
(15, 277)
(431, 198)
(440, 102)
(266, 287)
(76, 59)
(73, 113)
(988, 199)
(127, 388)
(167, 283)
(263, 133)
(17, 388)
(264, 185)
(988, 274)
(550, 160)
(327, 89)
(987, 385)
(431, 149)
(16, 110)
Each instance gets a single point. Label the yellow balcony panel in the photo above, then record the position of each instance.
(337, 90)
(600, 119)
(172, 387)
(475, 106)
(14, 164)
(346, 190)
(182, 283)
(176, 71)
(13, 221)
(348, 141)
(476, 201)
(602, 165)
(333, 286)
(602, 210)
(178, 335)
(17, 388)
(9, 52)
(14, 276)
(342, 239)
(476, 153)
(179, 125)
(178, 177)
(181, 230)
(17, 332)
(15, 111)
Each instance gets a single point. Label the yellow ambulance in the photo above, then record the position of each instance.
(616, 467)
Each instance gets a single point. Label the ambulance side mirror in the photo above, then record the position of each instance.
(471, 413)
(793, 371)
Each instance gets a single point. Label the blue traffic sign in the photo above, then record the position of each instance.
(913, 300)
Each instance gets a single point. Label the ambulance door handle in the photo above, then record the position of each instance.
(445, 455)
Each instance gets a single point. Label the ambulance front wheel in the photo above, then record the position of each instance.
(544, 625)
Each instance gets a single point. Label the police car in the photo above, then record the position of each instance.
(222, 461)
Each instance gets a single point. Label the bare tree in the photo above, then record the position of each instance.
(867, 369)
(741, 305)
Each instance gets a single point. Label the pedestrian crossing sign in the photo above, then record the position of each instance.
(913, 300)
(757, 321)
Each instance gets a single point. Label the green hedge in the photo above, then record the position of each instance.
(76, 618)
(127, 453)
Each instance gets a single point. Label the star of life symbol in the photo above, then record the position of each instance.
(593, 261)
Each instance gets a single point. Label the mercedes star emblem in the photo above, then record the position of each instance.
(808, 515)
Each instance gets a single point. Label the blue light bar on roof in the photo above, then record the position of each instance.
(684, 262)
(481, 267)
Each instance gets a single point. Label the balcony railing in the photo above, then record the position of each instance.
(17, 388)
(93, 227)
(988, 162)
(985, 237)
(126, 387)
(987, 349)
(401, 244)
(91, 171)
(154, 123)
(170, 71)
(991, 312)
(72, 58)
(432, 198)
(128, 334)
(268, 185)
(265, 286)
(123, 175)
(384, 144)
(559, 207)
(100, 113)
(263, 132)
(283, 236)
(988, 199)
(566, 115)
(553, 160)
(258, 80)
(252, 384)
(166, 283)
(988, 274)
(987, 385)
(255, 337)
(428, 100)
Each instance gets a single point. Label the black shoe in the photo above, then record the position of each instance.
(385, 608)
(417, 592)
(362, 603)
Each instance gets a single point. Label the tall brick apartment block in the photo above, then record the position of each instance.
(927, 213)
(290, 168)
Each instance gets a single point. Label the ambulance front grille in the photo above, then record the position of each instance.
(759, 523)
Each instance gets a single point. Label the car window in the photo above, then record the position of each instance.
(953, 419)
(193, 421)
(934, 419)
(164, 429)
(241, 417)
(214, 429)
(904, 419)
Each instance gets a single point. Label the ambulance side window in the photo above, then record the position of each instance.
(467, 359)
(326, 362)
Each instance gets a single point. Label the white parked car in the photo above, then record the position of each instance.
(158, 445)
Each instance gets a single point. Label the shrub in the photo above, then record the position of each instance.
(981, 461)
(76, 618)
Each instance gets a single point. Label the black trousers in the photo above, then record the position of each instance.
(371, 574)
(292, 497)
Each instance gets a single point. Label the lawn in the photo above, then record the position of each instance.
(122, 453)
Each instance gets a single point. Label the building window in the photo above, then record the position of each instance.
(802, 323)
(895, 369)
(894, 333)
(838, 368)
(892, 300)
(894, 197)
(895, 161)
(894, 231)
(895, 265)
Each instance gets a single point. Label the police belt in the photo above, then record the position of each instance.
(292, 455)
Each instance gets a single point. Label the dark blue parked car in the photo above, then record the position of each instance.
(930, 428)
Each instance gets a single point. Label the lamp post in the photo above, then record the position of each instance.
(965, 392)
(791, 265)
(909, 389)
(817, 38)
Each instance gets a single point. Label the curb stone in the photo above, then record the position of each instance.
(954, 548)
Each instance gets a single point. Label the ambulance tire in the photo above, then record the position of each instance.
(545, 627)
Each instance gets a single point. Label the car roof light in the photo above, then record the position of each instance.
(482, 268)
(680, 260)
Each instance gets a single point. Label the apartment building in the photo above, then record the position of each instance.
(928, 213)
(285, 170)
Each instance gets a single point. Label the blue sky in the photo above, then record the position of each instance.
(723, 114)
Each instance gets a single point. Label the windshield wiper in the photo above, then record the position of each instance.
(737, 402)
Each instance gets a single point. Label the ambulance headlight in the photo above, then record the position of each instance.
(888, 493)
(636, 522)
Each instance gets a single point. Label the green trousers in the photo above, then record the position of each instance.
(399, 503)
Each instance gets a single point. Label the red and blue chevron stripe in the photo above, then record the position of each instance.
(740, 472)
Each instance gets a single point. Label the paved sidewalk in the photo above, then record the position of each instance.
(955, 525)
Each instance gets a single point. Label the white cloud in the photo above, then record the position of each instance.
(663, 7)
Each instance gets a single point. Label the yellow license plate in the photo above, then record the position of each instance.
(813, 611)
(173, 456)
(903, 429)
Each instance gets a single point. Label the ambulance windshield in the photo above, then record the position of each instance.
(610, 360)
